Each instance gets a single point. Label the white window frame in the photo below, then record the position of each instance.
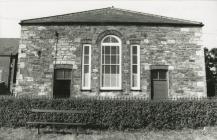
(1, 75)
(120, 63)
(90, 53)
(138, 67)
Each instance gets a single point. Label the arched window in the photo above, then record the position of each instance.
(110, 63)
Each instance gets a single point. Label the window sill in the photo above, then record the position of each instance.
(86, 90)
(136, 90)
(109, 90)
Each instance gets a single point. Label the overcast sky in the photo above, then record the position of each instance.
(12, 11)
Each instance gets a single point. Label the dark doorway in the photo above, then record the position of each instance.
(8, 71)
(62, 82)
(159, 84)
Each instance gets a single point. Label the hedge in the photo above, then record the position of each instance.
(113, 114)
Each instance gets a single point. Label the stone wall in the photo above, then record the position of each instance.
(178, 47)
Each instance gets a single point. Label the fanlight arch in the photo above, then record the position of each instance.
(111, 39)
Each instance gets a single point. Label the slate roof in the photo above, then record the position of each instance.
(9, 46)
(110, 16)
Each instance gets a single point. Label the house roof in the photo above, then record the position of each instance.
(110, 16)
(9, 46)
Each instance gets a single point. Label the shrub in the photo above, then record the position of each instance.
(114, 114)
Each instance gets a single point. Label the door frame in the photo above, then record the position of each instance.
(62, 66)
(159, 67)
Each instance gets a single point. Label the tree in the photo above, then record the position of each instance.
(211, 70)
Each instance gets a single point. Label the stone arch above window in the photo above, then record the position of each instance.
(109, 32)
(86, 41)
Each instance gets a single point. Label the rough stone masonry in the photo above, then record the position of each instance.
(178, 47)
(164, 42)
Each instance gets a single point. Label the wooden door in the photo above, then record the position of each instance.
(62, 88)
(159, 84)
(62, 82)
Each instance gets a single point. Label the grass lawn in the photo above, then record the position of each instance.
(209, 133)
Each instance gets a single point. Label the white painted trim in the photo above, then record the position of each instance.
(168, 83)
(90, 53)
(110, 88)
(138, 67)
(120, 63)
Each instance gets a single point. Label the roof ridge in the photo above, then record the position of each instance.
(147, 14)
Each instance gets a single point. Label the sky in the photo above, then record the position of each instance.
(13, 11)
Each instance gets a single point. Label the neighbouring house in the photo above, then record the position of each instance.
(8, 64)
(111, 52)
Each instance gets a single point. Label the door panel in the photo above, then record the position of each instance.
(61, 88)
(160, 89)
(159, 85)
